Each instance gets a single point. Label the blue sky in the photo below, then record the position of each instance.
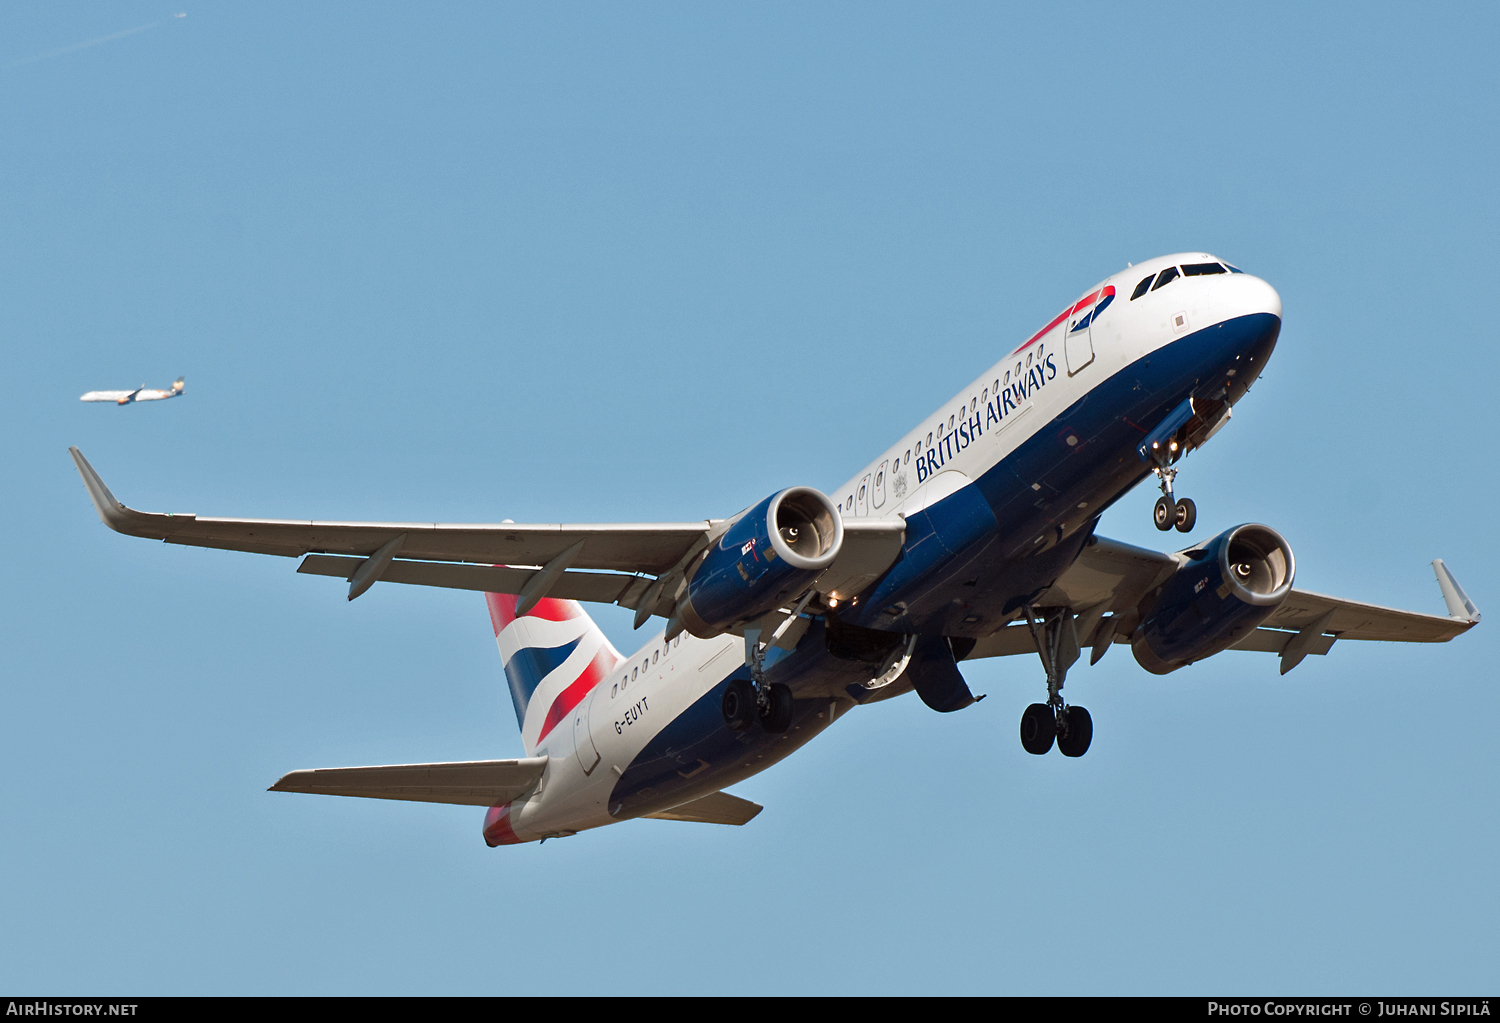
(653, 262)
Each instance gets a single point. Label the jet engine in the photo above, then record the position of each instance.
(1228, 587)
(767, 556)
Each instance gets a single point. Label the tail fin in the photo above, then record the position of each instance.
(178, 384)
(554, 656)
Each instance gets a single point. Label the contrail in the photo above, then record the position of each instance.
(84, 44)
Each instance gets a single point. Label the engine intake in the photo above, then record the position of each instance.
(766, 557)
(1228, 587)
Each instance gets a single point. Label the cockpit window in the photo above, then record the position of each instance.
(1234, 269)
(1166, 277)
(1201, 269)
(1140, 289)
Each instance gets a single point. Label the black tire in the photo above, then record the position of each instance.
(777, 715)
(739, 704)
(1164, 514)
(1038, 728)
(1187, 515)
(1080, 729)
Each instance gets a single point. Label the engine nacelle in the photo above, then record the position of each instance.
(1228, 587)
(766, 557)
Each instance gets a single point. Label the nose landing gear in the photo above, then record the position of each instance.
(1169, 513)
(1056, 639)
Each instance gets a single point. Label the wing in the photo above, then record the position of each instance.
(1111, 578)
(469, 783)
(106, 395)
(716, 808)
(632, 564)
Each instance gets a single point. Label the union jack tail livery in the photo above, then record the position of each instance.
(554, 656)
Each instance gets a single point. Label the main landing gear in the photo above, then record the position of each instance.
(1183, 513)
(771, 706)
(754, 699)
(1043, 724)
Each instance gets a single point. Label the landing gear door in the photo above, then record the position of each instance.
(583, 738)
(1078, 343)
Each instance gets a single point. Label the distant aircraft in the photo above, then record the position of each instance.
(141, 393)
(972, 536)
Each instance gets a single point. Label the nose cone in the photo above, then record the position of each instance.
(1244, 295)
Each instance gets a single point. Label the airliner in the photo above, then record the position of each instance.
(141, 393)
(972, 536)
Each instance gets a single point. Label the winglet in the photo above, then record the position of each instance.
(1459, 604)
(114, 514)
(110, 511)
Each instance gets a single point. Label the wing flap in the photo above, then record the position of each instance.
(1006, 642)
(598, 587)
(1274, 641)
(466, 783)
(716, 808)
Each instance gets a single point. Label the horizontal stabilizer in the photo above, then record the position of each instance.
(467, 783)
(717, 808)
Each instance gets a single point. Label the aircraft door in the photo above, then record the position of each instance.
(877, 497)
(862, 496)
(1078, 344)
(583, 739)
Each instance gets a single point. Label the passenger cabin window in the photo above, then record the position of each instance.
(1140, 289)
(1201, 269)
(1166, 277)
